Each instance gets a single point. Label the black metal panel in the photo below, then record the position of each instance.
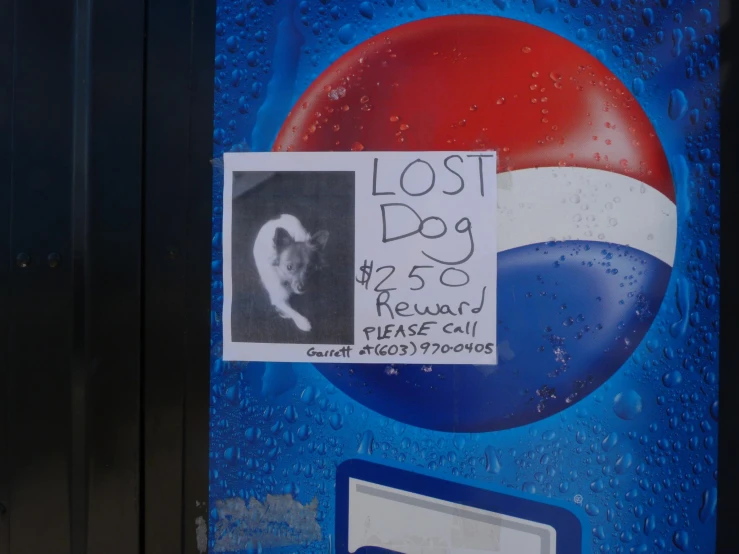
(176, 274)
(40, 299)
(7, 36)
(167, 136)
(197, 258)
(71, 152)
(70, 201)
(114, 276)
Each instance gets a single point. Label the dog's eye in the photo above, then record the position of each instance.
(289, 267)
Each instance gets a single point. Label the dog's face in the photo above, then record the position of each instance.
(297, 261)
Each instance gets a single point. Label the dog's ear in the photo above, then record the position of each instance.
(318, 240)
(282, 239)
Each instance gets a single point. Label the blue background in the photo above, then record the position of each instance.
(637, 457)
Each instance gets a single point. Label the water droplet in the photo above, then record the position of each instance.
(492, 462)
(366, 443)
(610, 441)
(647, 16)
(592, 510)
(232, 43)
(346, 33)
(366, 9)
(638, 86)
(229, 454)
(624, 463)
(221, 61)
(231, 393)
(292, 489)
(677, 40)
(277, 427)
(336, 421)
(650, 524)
(253, 433)
(682, 298)
(627, 404)
(357, 147)
(672, 379)
(541, 6)
(304, 432)
(291, 414)
(678, 104)
(681, 540)
(708, 507)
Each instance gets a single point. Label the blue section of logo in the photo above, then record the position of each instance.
(569, 315)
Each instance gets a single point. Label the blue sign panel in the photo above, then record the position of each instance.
(595, 428)
(454, 511)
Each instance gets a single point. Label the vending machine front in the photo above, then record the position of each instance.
(465, 277)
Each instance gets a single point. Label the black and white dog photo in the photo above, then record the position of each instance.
(292, 257)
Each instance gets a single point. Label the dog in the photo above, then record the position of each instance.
(286, 256)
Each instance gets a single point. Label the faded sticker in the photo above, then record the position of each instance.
(280, 521)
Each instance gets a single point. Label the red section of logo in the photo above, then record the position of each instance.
(479, 83)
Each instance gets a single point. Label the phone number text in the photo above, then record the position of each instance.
(432, 348)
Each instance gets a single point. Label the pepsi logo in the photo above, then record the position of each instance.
(587, 220)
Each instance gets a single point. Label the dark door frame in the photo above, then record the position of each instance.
(105, 214)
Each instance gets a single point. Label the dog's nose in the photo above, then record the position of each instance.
(300, 287)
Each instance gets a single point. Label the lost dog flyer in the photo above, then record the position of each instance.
(424, 259)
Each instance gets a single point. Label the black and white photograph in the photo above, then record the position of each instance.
(292, 257)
